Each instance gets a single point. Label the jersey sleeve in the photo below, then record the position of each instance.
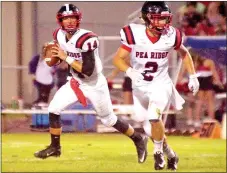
(55, 33)
(127, 38)
(87, 42)
(178, 39)
(90, 44)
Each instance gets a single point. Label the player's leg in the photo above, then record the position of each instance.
(100, 99)
(172, 158)
(63, 98)
(142, 114)
(157, 134)
(158, 101)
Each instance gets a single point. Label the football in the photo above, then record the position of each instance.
(51, 61)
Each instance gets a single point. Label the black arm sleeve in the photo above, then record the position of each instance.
(88, 65)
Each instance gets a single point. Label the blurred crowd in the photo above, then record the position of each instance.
(202, 18)
(205, 106)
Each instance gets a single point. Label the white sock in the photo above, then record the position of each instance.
(158, 146)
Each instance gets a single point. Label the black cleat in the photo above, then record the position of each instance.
(141, 148)
(49, 151)
(172, 163)
(159, 161)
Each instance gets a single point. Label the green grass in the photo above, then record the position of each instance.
(105, 153)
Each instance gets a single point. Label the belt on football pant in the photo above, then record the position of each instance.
(80, 95)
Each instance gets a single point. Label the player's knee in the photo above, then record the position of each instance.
(109, 120)
(54, 109)
(55, 120)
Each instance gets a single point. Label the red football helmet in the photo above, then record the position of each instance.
(153, 12)
(68, 10)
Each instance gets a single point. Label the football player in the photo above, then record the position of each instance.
(79, 48)
(148, 46)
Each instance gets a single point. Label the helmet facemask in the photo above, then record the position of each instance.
(158, 23)
(73, 12)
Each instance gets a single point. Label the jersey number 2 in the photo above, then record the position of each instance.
(154, 66)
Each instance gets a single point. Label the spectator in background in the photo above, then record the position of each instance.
(190, 20)
(216, 13)
(190, 7)
(42, 76)
(61, 74)
(206, 28)
(207, 76)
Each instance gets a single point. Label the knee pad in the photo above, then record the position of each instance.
(109, 120)
(147, 128)
(55, 120)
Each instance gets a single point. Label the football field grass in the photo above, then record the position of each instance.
(106, 153)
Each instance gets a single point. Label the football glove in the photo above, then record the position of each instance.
(193, 84)
(134, 75)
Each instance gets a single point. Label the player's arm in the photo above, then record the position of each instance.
(181, 74)
(187, 60)
(122, 55)
(116, 70)
(123, 52)
(193, 84)
(59, 52)
(120, 59)
(86, 67)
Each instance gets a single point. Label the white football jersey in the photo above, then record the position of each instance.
(147, 57)
(82, 41)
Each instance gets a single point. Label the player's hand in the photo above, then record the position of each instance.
(57, 51)
(193, 84)
(134, 75)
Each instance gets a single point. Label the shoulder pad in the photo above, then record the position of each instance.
(84, 37)
(128, 34)
(55, 33)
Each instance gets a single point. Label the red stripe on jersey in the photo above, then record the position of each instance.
(83, 38)
(129, 35)
(55, 33)
(178, 39)
(123, 46)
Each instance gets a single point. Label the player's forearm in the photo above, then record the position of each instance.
(74, 64)
(120, 63)
(187, 60)
(114, 74)
(188, 63)
(77, 66)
